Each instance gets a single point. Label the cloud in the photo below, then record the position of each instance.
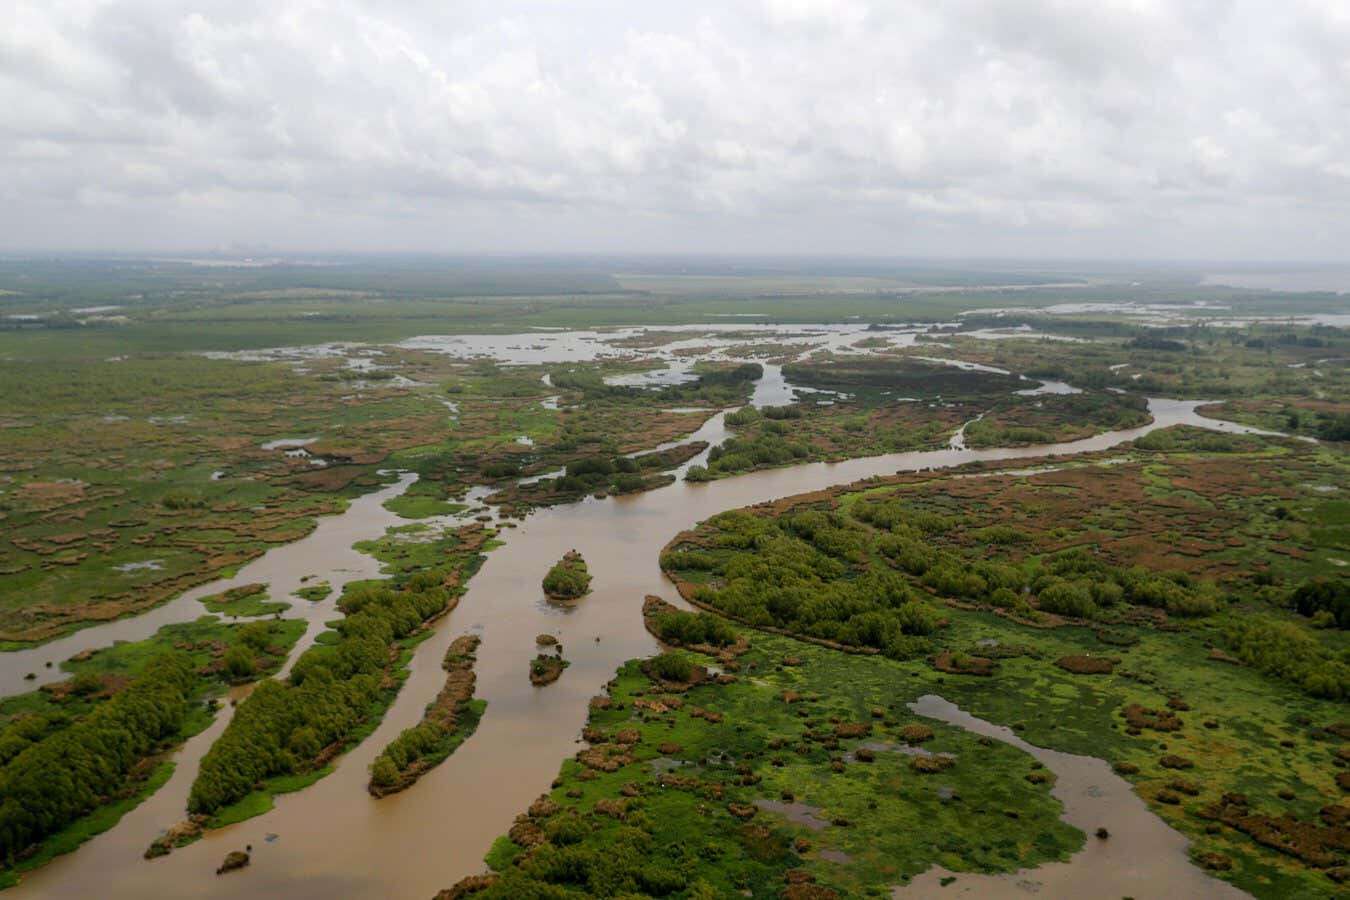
(1142, 127)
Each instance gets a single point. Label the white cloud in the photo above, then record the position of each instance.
(1138, 128)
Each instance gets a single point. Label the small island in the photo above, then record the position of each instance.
(448, 721)
(569, 579)
(545, 669)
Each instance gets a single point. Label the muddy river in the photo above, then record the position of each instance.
(334, 840)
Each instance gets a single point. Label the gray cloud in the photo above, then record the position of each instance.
(1050, 127)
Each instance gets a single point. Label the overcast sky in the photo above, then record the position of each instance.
(1111, 128)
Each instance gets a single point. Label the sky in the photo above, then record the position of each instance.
(1208, 129)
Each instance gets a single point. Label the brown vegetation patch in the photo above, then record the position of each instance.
(614, 807)
(1087, 665)
(916, 733)
(543, 807)
(470, 884)
(929, 765)
(546, 669)
(1182, 786)
(525, 833)
(963, 664)
(1140, 717)
(1320, 846)
(177, 835)
(1215, 862)
(606, 758)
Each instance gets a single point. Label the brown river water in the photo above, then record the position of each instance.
(332, 840)
(1142, 857)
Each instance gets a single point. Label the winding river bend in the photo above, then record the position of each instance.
(1137, 860)
(333, 840)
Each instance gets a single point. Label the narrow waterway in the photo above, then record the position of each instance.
(325, 552)
(334, 840)
(1142, 857)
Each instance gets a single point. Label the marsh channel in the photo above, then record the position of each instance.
(333, 839)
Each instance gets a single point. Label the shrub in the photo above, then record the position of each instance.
(1323, 595)
(1067, 598)
(239, 662)
(59, 778)
(1287, 651)
(569, 578)
(679, 627)
(670, 667)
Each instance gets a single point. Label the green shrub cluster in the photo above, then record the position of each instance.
(805, 579)
(687, 628)
(1329, 597)
(766, 448)
(428, 742)
(622, 867)
(1073, 583)
(568, 578)
(815, 573)
(55, 780)
(1288, 652)
(670, 667)
(283, 725)
(613, 474)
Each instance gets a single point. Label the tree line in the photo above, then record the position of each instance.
(60, 778)
(284, 726)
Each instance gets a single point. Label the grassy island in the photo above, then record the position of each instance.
(569, 579)
(448, 721)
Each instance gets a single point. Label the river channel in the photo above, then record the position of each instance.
(332, 839)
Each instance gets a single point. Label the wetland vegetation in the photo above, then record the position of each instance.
(288, 732)
(448, 721)
(1115, 606)
(1176, 605)
(78, 754)
(568, 578)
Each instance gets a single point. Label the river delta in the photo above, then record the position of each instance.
(452, 471)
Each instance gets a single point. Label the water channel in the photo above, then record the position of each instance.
(332, 839)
